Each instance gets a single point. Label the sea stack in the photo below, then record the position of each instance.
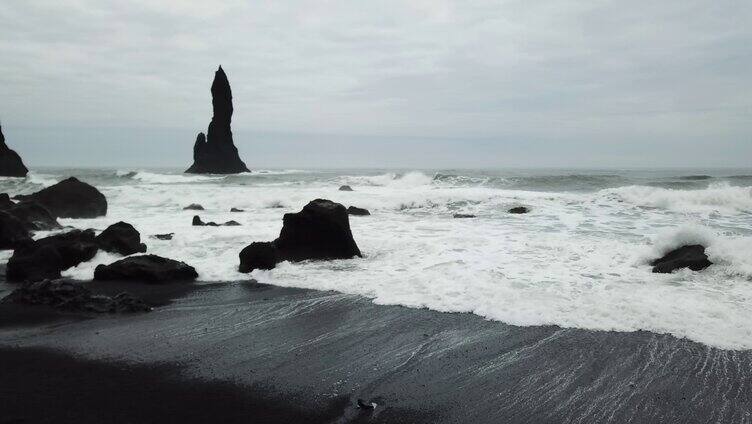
(11, 164)
(215, 152)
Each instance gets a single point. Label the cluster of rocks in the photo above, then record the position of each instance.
(320, 231)
(197, 222)
(72, 296)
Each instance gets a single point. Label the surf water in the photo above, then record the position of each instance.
(578, 259)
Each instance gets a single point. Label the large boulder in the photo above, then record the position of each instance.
(46, 257)
(34, 263)
(34, 216)
(13, 232)
(345, 188)
(193, 207)
(5, 202)
(258, 255)
(70, 198)
(11, 164)
(216, 153)
(121, 238)
(71, 296)
(151, 269)
(320, 231)
(692, 257)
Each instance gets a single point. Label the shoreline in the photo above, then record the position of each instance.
(321, 351)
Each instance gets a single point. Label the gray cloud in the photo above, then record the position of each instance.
(550, 82)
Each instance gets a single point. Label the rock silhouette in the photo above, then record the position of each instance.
(120, 238)
(11, 164)
(692, 257)
(320, 231)
(215, 152)
(150, 269)
(70, 198)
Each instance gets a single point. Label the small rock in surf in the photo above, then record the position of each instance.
(356, 211)
(519, 210)
(692, 257)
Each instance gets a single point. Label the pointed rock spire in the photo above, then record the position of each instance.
(216, 153)
(11, 164)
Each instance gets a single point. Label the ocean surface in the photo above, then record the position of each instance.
(578, 259)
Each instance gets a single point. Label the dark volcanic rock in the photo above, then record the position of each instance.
(46, 257)
(352, 210)
(71, 296)
(258, 255)
(519, 210)
(236, 210)
(121, 238)
(13, 232)
(11, 164)
(5, 202)
(147, 268)
(34, 263)
(166, 236)
(345, 188)
(216, 153)
(197, 222)
(463, 215)
(70, 198)
(320, 231)
(193, 207)
(692, 257)
(34, 216)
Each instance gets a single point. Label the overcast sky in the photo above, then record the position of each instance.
(585, 83)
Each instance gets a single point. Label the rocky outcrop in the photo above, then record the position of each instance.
(18, 220)
(193, 207)
(5, 202)
(216, 153)
(11, 164)
(197, 222)
(150, 269)
(236, 210)
(121, 238)
(70, 296)
(70, 198)
(47, 257)
(34, 216)
(345, 188)
(356, 211)
(258, 255)
(692, 257)
(13, 233)
(165, 236)
(320, 231)
(519, 210)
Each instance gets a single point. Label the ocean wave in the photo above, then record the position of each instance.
(717, 197)
(390, 179)
(156, 178)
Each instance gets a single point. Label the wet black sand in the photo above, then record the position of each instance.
(241, 352)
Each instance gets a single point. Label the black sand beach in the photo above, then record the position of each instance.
(244, 352)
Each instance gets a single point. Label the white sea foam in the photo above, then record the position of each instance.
(719, 197)
(577, 260)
